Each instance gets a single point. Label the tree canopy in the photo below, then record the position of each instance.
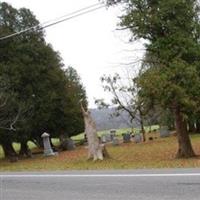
(171, 68)
(36, 93)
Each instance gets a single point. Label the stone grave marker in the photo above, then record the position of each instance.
(164, 131)
(47, 146)
(103, 138)
(68, 144)
(138, 138)
(108, 137)
(126, 137)
(112, 134)
(115, 141)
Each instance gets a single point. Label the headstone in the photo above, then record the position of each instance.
(47, 146)
(138, 138)
(112, 131)
(68, 144)
(164, 131)
(126, 137)
(112, 134)
(115, 141)
(108, 137)
(103, 138)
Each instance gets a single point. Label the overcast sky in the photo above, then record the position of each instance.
(90, 43)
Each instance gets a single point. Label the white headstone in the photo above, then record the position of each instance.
(47, 146)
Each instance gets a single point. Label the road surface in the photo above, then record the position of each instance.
(167, 184)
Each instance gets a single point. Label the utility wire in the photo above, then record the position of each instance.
(72, 13)
(74, 16)
(66, 17)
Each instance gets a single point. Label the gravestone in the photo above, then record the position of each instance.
(112, 134)
(68, 144)
(164, 131)
(108, 137)
(115, 141)
(137, 138)
(103, 138)
(126, 137)
(47, 146)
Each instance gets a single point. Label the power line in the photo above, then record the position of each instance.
(74, 16)
(72, 13)
(61, 19)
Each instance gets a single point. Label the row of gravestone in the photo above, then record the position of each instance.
(127, 137)
(111, 137)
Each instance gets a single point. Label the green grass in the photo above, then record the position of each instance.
(159, 153)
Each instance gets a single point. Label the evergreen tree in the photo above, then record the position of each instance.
(172, 75)
(34, 91)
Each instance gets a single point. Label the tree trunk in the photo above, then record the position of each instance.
(142, 126)
(24, 150)
(184, 144)
(191, 126)
(197, 126)
(143, 132)
(62, 138)
(9, 151)
(95, 149)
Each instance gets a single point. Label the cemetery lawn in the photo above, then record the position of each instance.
(158, 153)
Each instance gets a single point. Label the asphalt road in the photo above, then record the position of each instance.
(168, 184)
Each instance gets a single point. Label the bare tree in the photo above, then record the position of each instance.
(96, 150)
(126, 97)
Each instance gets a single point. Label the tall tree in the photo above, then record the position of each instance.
(172, 31)
(34, 93)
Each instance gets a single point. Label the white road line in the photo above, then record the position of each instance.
(93, 175)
